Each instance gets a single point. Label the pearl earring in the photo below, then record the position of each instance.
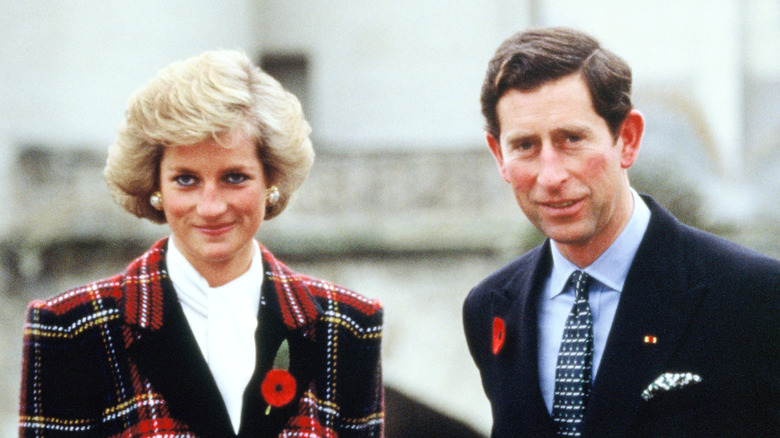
(156, 200)
(273, 195)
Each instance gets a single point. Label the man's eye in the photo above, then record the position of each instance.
(185, 180)
(574, 138)
(236, 178)
(524, 145)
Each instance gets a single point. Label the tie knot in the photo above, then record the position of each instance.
(580, 280)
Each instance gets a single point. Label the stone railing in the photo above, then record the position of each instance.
(352, 202)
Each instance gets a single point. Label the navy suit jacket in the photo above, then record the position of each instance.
(712, 307)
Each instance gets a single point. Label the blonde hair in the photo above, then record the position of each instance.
(203, 98)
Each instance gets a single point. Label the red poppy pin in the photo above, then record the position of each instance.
(278, 387)
(499, 334)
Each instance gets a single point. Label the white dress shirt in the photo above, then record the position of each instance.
(223, 320)
(609, 274)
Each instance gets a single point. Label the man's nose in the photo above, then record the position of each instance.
(552, 169)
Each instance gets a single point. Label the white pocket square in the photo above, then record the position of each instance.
(668, 382)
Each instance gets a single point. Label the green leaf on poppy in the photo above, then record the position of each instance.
(282, 359)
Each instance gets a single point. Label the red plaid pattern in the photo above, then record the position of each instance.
(79, 379)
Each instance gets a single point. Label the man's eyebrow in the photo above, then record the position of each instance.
(518, 136)
(575, 129)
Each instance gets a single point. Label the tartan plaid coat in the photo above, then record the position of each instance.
(116, 358)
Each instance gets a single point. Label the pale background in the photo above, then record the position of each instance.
(404, 202)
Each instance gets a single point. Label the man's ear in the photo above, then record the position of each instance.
(495, 148)
(630, 137)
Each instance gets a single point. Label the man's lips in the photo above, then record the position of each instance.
(561, 207)
(562, 204)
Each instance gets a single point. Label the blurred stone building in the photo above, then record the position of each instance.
(404, 202)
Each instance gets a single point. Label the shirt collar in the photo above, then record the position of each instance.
(192, 288)
(611, 267)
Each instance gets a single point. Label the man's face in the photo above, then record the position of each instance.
(566, 169)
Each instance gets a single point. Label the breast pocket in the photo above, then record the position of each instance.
(683, 412)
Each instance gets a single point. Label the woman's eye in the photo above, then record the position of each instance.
(185, 180)
(236, 178)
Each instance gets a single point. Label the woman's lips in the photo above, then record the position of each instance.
(215, 230)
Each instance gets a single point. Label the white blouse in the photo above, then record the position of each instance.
(223, 320)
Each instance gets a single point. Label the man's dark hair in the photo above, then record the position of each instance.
(532, 58)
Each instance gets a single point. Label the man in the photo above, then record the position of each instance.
(625, 322)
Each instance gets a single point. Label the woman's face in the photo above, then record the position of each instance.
(214, 201)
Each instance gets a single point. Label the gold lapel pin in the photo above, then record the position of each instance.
(650, 339)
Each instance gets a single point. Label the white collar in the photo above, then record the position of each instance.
(611, 267)
(193, 289)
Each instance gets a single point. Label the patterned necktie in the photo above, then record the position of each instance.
(575, 362)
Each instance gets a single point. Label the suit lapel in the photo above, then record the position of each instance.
(519, 364)
(174, 365)
(282, 292)
(271, 332)
(164, 349)
(657, 301)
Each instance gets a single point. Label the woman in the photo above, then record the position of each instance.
(206, 334)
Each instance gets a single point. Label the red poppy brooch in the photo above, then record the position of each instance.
(499, 334)
(279, 385)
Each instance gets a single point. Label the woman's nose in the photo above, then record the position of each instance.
(211, 202)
